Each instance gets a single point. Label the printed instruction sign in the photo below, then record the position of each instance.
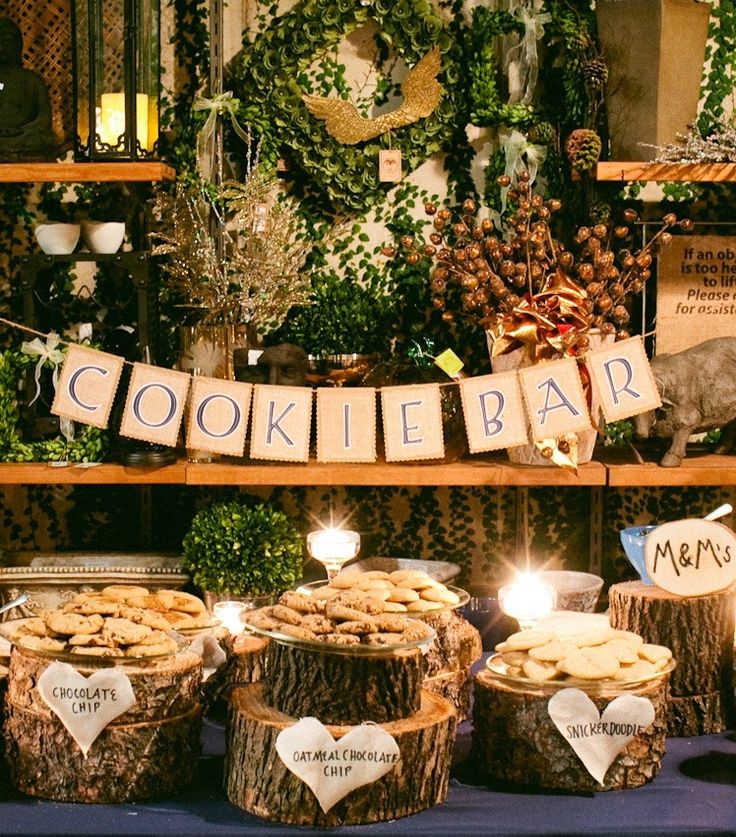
(696, 291)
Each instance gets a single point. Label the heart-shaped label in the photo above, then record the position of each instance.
(85, 705)
(331, 769)
(597, 739)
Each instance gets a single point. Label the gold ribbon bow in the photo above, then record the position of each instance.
(224, 104)
(546, 321)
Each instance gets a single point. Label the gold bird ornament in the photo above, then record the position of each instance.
(421, 92)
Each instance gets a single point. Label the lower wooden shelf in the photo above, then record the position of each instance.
(706, 469)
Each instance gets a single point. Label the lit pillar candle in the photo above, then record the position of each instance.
(229, 615)
(526, 599)
(112, 118)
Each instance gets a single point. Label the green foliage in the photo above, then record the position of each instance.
(720, 57)
(242, 549)
(617, 433)
(87, 446)
(343, 317)
(268, 77)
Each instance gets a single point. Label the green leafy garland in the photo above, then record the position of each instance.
(270, 72)
(88, 446)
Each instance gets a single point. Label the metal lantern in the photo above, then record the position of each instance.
(115, 65)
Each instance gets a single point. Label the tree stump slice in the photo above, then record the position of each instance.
(151, 749)
(700, 632)
(248, 661)
(162, 688)
(515, 740)
(458, 644)
(455, 686)
(259, 782)
(343, 688)
(125, 764)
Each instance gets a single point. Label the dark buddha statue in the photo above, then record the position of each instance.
(25, 109)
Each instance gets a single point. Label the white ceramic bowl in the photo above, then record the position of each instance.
(575, 590)
(57, 239)
(103, 236)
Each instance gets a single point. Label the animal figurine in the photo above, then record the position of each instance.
(698, 391)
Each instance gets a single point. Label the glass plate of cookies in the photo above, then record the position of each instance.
(350, 623)
(97, 649)
(600, 656)
(411, 592)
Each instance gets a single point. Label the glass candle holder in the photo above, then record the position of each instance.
(526, 600)
(230, 616)
(333, 548)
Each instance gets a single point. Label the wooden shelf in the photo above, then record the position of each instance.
(697, 469)
(40, 473)
(85, 172)
(694, 172)
(489, 471)
(615, 469)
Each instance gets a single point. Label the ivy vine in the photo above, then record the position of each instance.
(88, 446)
(268, 74)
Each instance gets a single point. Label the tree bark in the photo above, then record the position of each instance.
(343, 688)
(515, 740)
(700, 633)
(152, 749)
(455, 686)
(259, 782)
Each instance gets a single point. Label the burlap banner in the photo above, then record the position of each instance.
(501, 410)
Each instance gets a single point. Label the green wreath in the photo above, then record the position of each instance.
(266, 75)
(87, 446)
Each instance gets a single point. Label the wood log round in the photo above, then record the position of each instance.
(125, 764)
(455, 686)
(515, 740)
(700, 632)
(343, 688)
(162, 688)
(259, 782)
(149, 750)
(248, 661)
(457, 646)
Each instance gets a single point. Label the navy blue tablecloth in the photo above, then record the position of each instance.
(694, 794)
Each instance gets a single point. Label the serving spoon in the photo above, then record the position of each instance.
(15, 602)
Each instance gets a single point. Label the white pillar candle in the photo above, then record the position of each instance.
(229, 615)
(526, 599)
(111, 122)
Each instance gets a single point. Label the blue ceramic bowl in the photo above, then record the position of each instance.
(632, 540)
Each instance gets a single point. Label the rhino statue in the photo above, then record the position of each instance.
(698, 391)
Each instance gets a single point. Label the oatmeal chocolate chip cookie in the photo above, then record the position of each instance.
(382, 638)
(32, 626)
(340, 639)
(97, 651)
(187, 621)
(364, 602)
(296, 631)
(390, 623)
(343, 613)
(42, 643)
(358, 627)
(119, 631)
(149, 602)
(415, 631)
(286, 614)
(68, 624)
(318, 623)
(261, 619)
(301, 603)
(103, 605)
